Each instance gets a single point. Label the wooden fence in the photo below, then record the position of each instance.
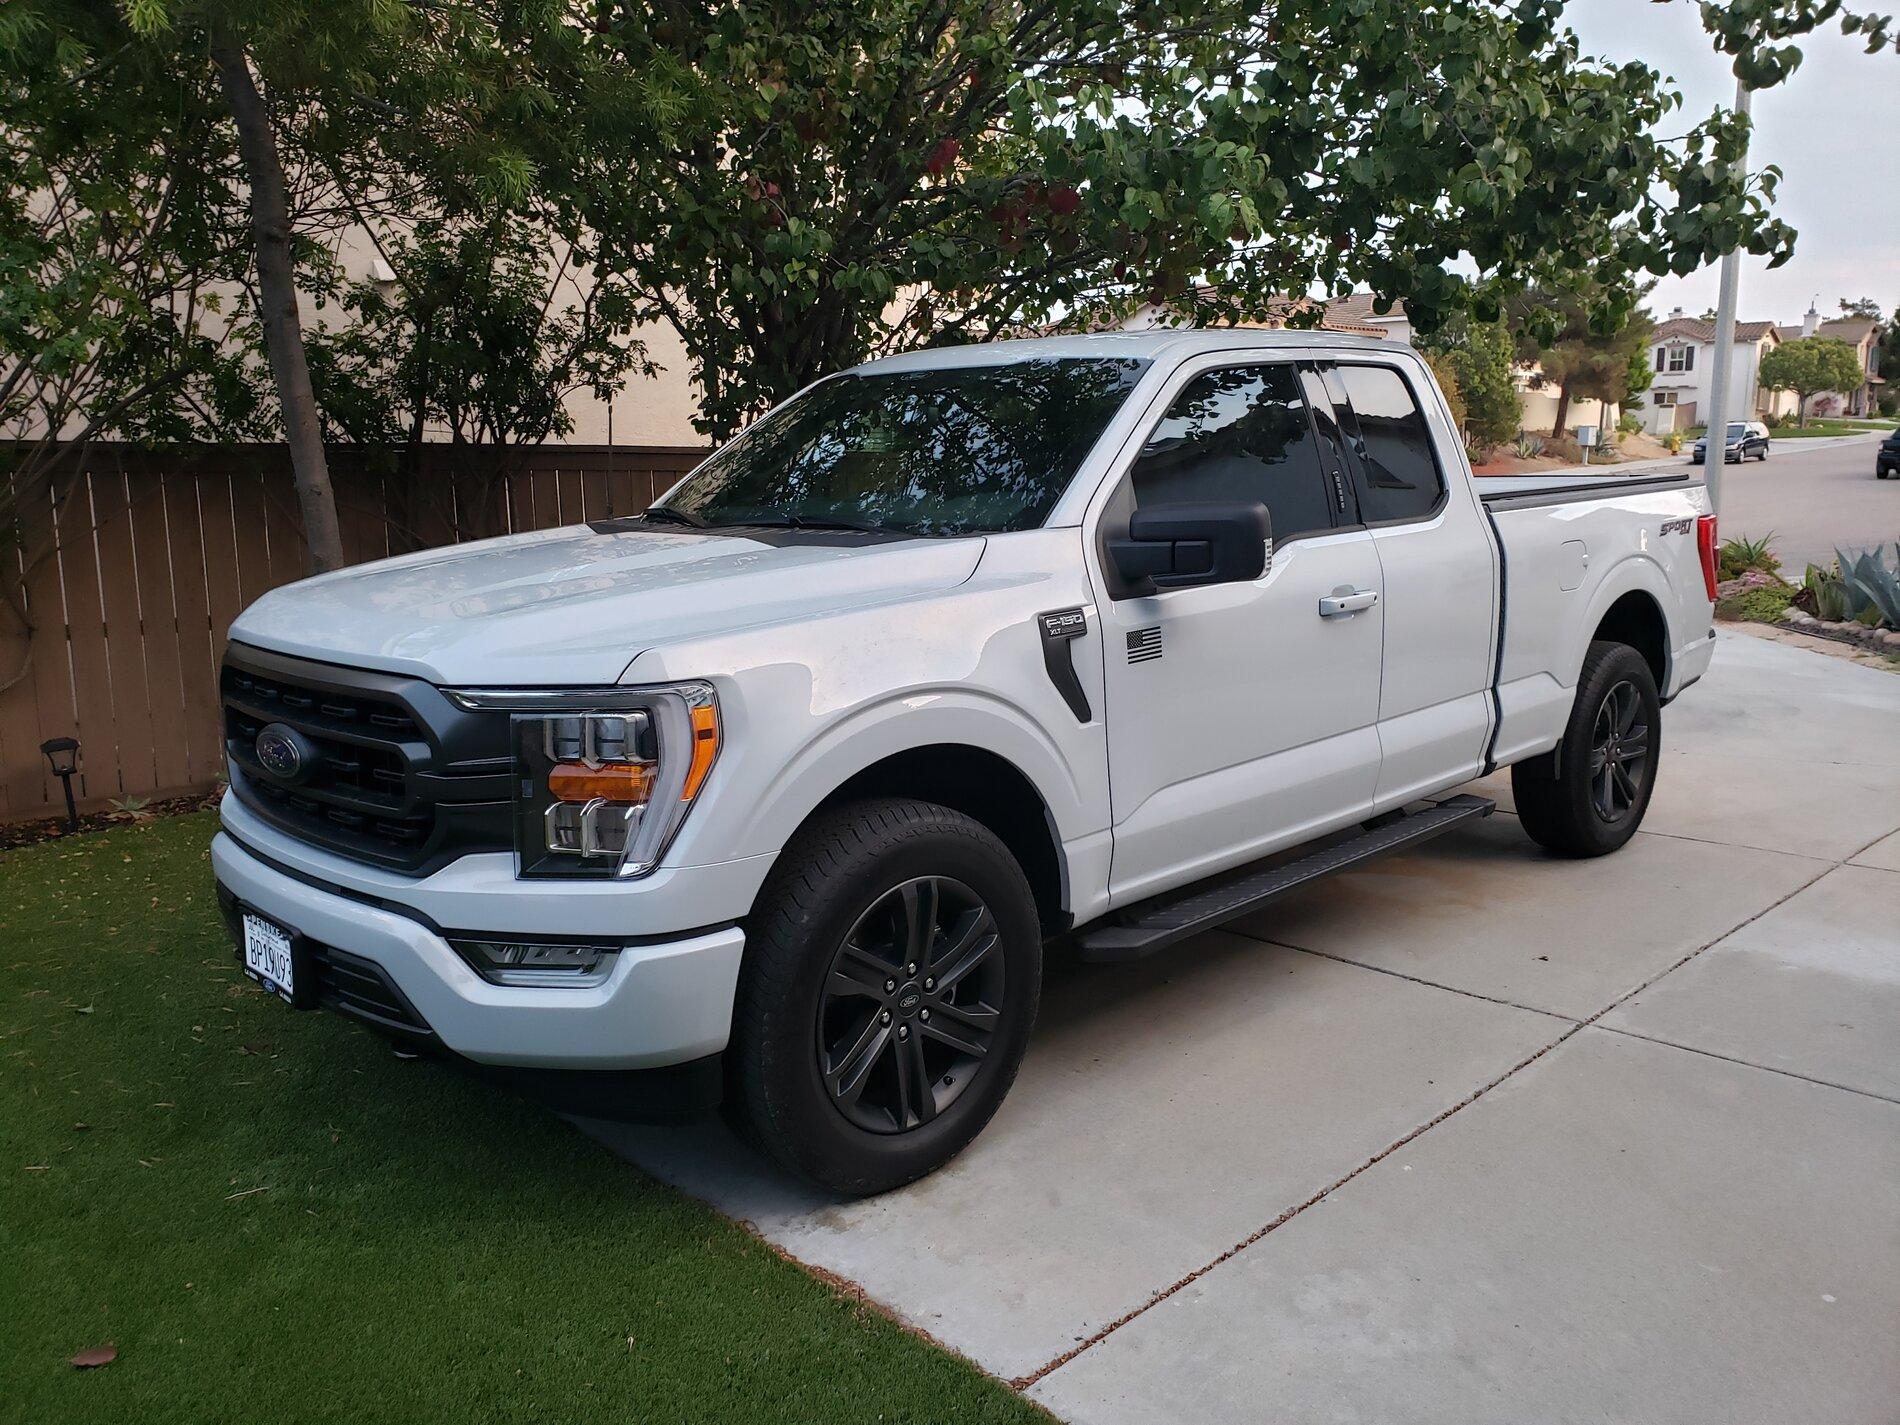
(132, 581)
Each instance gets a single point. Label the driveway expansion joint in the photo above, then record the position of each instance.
(1747, 1063)
(1025, 1382)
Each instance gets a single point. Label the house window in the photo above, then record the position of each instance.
(1675, 358)
(1663, 398)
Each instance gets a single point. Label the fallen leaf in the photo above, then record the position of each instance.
(96, 1356)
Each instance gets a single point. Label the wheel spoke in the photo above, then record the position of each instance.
(916, 1103)
(1605, 797)
(847, 1078)
(858, 972)
(1627, 706)
(1635, 747)
(965, 1028)
(970, 945)
(1623, 784)
(917, 929)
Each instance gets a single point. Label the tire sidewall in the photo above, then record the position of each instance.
(1614, 664)
(790, 1091)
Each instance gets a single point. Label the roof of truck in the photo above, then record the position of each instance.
(1141, 345)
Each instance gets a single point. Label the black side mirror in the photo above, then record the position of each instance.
(1209, 542)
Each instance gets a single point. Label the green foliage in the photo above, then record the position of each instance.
(1763, 604)
(1629, 423)
(1445, 372)
(795, 189)
(1528, 447)
(1811, 365)
(1859, 587)
(1737, 556)
(1586, 340)
(1479, 355)
(1868, 577)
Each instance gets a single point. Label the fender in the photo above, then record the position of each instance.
(917, 718)
(1636, 572)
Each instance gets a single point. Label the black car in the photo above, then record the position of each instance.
(1745, 438)
(1887, 456)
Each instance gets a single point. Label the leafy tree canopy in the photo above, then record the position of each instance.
(1810, 366)
(1564, 333)
(798, 186)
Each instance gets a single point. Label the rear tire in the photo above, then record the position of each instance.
(893, 965)
(1588, 796)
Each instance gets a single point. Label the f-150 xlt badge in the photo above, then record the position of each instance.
(1060, 628)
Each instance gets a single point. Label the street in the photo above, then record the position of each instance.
(1814, 496)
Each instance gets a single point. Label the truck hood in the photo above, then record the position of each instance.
(575, 606)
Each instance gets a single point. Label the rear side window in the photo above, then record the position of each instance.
(1398, 473)
(1238, 434)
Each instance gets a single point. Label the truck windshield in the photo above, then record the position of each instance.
(956, 450)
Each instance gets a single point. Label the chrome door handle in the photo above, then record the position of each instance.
(1345, 603)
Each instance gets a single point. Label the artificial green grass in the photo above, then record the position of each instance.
(273, 1219)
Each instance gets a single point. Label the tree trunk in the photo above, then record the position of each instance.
(1800, 411)
(1563, 410)
(277, 303)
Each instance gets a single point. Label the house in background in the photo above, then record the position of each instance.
(1351, 313)
(1861, 333)
(1683, 356)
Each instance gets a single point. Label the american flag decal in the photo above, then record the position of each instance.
(1144, 645)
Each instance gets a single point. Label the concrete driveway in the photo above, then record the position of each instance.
(1473, 1135)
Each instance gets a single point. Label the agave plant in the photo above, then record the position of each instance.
(1528, 447)
(1873, 588)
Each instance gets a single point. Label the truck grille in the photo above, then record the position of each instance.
(392, 772)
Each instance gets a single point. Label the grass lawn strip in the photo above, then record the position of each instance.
(275, 1220)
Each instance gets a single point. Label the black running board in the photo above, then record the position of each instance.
(1156, 924)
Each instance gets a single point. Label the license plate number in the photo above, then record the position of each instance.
(267, 957)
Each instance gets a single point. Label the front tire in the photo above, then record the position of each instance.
(1588, 797)
(892, 971)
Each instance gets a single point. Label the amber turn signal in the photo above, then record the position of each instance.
(705, 748)
(611, 781)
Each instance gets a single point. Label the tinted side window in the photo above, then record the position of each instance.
(1238, 434)
(1399, 477)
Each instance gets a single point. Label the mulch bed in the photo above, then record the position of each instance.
(24, 833)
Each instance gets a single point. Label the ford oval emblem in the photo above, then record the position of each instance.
(286, 754)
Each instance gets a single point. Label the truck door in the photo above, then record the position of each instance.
(1435, 557)
(1241, 717)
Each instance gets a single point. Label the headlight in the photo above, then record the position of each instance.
(604, 777)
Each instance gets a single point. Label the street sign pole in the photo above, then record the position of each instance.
(1715, 426)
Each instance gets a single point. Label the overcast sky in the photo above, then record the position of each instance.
(1834, 131)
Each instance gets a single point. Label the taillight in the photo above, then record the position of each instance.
(1705, 546)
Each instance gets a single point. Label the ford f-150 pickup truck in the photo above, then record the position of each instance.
(772, 795)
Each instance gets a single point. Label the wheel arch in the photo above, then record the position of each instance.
(1636, 618)
(987, 788)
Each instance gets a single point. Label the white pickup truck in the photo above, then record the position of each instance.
(771, 795)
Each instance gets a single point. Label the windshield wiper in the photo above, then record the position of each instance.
(798, 521)
(666, 512)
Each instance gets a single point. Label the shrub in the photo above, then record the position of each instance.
(1737, 556)
(1528, 447)
(1629, 423)
(1765, 603)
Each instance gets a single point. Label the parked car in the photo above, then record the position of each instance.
(1887, 456)
(772, 794)
(1745, 439)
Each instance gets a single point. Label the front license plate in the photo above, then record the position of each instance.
(267, 957)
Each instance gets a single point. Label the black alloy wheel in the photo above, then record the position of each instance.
(1619, 753)
(1588, 795)
(893, 963)
(910, 1005)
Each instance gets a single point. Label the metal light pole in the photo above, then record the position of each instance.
(1715, 441)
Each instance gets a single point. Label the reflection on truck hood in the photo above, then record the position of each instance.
(574, 606)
